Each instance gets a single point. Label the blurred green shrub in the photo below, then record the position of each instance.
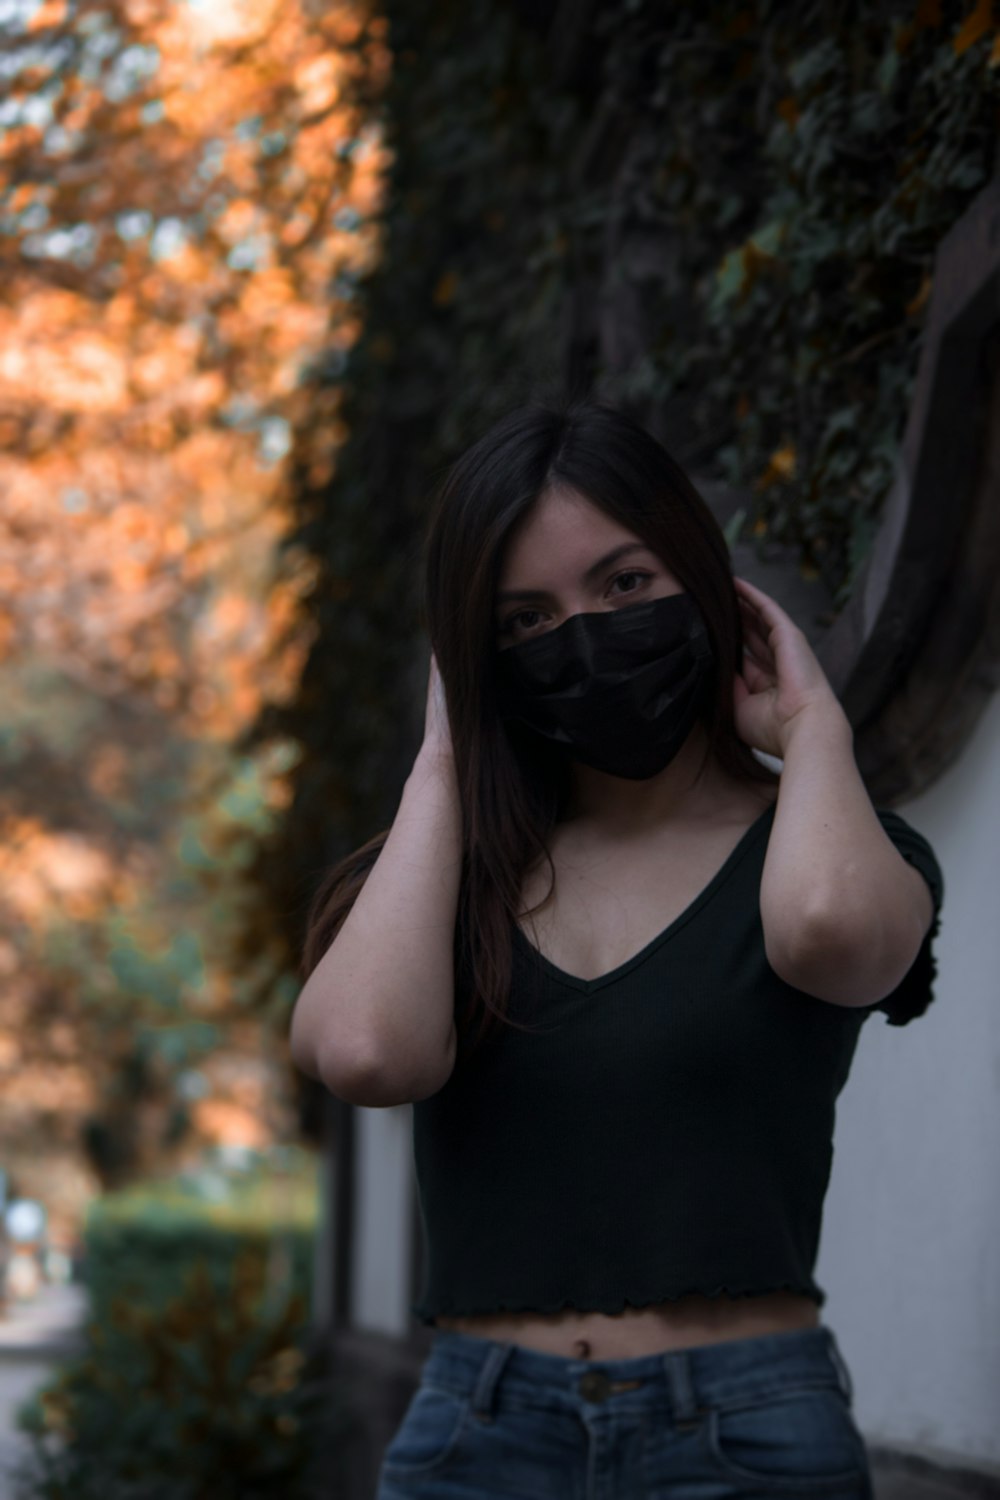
(197, 1379)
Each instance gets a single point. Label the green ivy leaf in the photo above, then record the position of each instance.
(731, 530)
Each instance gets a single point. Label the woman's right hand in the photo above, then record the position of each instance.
(437, 730)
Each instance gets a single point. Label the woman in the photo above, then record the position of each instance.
(619, 965)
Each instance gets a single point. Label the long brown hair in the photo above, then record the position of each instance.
(512, 788)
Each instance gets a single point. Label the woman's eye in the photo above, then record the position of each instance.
(512, 620)
(630, 574)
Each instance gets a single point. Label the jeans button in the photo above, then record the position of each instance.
(595, 1385)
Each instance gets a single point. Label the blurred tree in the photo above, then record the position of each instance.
(187, 197)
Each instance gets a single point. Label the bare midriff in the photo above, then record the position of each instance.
(691, 1320)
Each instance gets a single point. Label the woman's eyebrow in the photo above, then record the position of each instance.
(590, 576)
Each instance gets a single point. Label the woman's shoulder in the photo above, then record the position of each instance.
(916, 848)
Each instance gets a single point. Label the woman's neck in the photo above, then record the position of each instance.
(614, 805)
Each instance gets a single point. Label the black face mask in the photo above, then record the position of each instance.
(619, 689)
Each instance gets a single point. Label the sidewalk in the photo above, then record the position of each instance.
(35, 1337)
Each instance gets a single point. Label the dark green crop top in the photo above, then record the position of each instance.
(664, 1128)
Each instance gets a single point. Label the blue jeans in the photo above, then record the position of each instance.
(763, 1418)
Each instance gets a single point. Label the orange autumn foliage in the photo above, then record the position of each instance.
(189, 196)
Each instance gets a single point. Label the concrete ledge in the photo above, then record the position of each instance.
(930, 1474)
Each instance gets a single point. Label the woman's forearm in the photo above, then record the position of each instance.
(375, 1018)
(833, 882)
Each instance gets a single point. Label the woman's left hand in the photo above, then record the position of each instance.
(782, 683)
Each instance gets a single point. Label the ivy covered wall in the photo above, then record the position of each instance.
(724, 217)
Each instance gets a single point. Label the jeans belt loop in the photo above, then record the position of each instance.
(678, 1365)
(486, 1382)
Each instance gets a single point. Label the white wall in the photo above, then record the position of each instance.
(910, 1254)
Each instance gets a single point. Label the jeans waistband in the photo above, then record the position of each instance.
(684, 1380)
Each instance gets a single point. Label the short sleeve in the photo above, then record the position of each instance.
(915, 991)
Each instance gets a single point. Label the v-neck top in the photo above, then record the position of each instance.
(689, 912)
(664, 1128)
